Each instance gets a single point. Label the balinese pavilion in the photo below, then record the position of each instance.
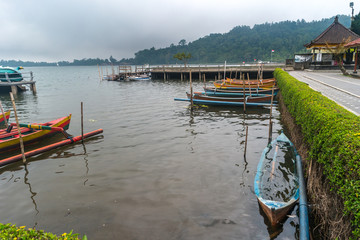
(329, 41)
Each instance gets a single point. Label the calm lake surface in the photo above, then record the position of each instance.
(158, 171)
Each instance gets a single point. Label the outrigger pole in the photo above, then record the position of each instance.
(48, 147)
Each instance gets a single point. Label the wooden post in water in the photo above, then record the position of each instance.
(3, 113)
(219, 73)
(199, 73)
(82, 123)
(191, 92)
(246, 138)
(244, 95)
(32, 85)
(249, 83)
(204, 80)
(18, 128)
(112, 72)
(270, 121)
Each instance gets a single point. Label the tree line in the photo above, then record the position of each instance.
(263, 42)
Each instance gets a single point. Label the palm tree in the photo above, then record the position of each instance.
(183, 57)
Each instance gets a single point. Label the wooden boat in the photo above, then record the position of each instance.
(222, 103)
(236, 94)
(9, 137)
(277, 201)
(8, 74)
(240, 90)
(228, 83)
(142, 77)
(209, 100)
(2, 119)
(247, 99)
(111, 77)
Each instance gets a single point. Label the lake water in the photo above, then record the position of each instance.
(158, 171)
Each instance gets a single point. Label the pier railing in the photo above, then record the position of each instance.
(23, 78)
(6, 77)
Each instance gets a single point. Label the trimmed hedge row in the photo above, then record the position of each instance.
(333, 136)
(10, 231)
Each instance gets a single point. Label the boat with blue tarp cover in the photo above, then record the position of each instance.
(9, 74)
(276, 182)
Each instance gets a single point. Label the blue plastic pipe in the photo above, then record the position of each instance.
(304, 218)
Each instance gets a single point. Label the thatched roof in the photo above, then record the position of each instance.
(335, 34)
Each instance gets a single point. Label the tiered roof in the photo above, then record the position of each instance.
(335, 34)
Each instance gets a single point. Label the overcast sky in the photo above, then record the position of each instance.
(54, 30)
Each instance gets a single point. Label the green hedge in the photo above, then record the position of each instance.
(10, 231)
(333, 136)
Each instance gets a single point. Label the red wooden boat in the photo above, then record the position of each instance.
(9, 138)
(2, 119)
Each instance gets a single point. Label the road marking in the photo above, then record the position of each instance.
(338, 79)
(339, 89)
(328, 96)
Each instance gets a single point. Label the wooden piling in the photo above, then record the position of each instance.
(3, 113)
(191, 92)
(82, 123)
(244, 95)
(18, 128)
(246, 139)
(270, 121)
(33, 87)
(249, 83)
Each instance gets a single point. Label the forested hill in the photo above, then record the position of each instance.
(243, 43)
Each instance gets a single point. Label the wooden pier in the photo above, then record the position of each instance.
(15, 87)
(180, 72)
(213, 72)
(122, 72)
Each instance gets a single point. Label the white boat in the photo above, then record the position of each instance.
(142, 77)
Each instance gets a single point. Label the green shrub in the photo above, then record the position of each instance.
(9, 231)
(333, 136)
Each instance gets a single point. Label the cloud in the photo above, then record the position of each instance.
(42, 30)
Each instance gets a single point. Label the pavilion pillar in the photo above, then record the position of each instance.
(356, 59)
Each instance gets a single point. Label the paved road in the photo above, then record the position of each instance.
(343, 90)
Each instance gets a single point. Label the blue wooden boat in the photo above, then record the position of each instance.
(276, 182)
(222, 103)
(248, 99)
(234, 94)
(8, 74)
